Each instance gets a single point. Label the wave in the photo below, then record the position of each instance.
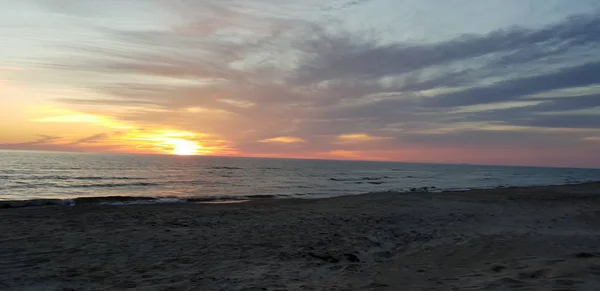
(23, 185)
(135, 200)
(233, 198)
(103, 178)
(35, 203)
(53, 185)
(49, 184)
(370, 182)
(226, 168)
(128, 200)
(359, 179)
(114, 185)
(421, 189)
(66, 178)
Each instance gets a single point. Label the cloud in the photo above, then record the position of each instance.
(341, 5)
(42, 139)
(43, 143)
(358, 137)
(278, 78)
(92, 139)
(583, 75)
(106, 102)
(563, 121)
(335, 56)
(77, 117)
(283, 140)
(8, 68)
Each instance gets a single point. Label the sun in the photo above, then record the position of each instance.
(182, 147)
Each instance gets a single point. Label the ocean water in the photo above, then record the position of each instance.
(45, 175)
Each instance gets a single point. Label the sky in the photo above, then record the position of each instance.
(514, 82)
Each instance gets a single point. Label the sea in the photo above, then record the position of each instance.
(154, 178)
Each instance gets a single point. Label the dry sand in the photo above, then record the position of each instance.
(539, 238)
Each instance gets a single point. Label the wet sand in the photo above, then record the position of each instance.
(537, 238)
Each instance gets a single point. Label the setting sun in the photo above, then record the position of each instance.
(183, 147)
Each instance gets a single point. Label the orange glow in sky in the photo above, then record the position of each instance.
(171, 142)
(65, 129)
(276, 79)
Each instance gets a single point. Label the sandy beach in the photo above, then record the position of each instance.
(536, 238)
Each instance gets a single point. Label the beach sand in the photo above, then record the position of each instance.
(537, 238)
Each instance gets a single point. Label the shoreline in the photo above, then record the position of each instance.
(142, 200)
(521, 238)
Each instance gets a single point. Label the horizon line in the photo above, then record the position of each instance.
(302, 158)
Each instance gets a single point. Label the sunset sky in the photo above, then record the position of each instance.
(464, 81)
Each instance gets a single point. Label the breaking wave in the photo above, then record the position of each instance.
(128, 200)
